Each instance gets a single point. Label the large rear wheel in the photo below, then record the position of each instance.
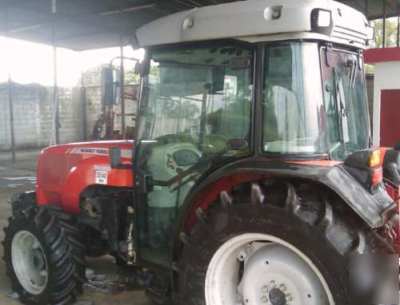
(271, 244)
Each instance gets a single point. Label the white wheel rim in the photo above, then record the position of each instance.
(29, 262)
(260, 269)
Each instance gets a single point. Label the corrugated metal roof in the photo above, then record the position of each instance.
(90, 24)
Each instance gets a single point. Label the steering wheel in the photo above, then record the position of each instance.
(214, 144)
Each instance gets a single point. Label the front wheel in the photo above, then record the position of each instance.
(270, 249)
(39, 259)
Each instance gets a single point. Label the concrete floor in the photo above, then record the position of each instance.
(21, 177)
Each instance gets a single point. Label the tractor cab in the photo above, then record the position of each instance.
(223, 83)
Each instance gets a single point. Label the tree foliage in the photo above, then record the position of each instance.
(391, 32)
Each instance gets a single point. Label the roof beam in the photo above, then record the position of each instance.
(47, 19)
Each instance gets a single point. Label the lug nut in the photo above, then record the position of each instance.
(264, 289)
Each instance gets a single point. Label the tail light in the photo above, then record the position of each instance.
(375, 163)
(375, 159)
(376, 177)
(366, 167)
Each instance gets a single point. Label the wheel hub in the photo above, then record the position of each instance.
(275, 294)
(290, 280)
(38, 260)
(277, 297)
(29, 262)
(253, 269)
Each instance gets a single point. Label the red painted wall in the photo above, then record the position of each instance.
(373, 56)
(390, 117)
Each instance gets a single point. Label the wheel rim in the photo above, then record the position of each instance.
(261, 269)
(29, 262)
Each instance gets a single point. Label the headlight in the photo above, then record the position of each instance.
(321, 21)
(324, 18)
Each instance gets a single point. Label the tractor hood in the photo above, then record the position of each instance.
(65, 171)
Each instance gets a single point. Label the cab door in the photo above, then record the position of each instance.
(390, 113)
(196, 103)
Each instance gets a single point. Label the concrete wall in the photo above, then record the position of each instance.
(386, 78)
(33, 115)
(93, 107)
(31, 126)
(79, 109)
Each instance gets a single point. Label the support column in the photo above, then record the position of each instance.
(83, 100)
(10, 100)
(398, 32)
(384, 23)
(55, 137)
(398, 24)
(366, 8)
(11, 109)
(122, 92)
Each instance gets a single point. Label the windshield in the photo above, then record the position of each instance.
(345, 102)
(292, 101)
(201, 93)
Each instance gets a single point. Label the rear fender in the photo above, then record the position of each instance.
(372, 208)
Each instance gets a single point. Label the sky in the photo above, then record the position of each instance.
(29, 62)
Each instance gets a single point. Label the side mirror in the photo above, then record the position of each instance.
(108, 86)
(115, 157)
(141, 68)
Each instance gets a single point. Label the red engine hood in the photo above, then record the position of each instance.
(65, 171)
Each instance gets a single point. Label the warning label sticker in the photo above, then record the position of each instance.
(101, 177)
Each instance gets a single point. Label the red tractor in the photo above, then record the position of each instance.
(252, 179)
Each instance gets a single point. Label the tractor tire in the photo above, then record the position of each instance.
(305, 241)
(73, 233)
(74, 238)
(39, 259)
(24, 203)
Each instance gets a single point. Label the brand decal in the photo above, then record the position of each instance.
(125, 153)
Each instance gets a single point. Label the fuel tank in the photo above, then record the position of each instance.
(65, 171)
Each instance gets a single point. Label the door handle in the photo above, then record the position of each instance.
(144, 183)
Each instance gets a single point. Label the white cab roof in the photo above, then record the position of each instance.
(254, 20)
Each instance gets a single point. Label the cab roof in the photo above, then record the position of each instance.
(260, 20)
